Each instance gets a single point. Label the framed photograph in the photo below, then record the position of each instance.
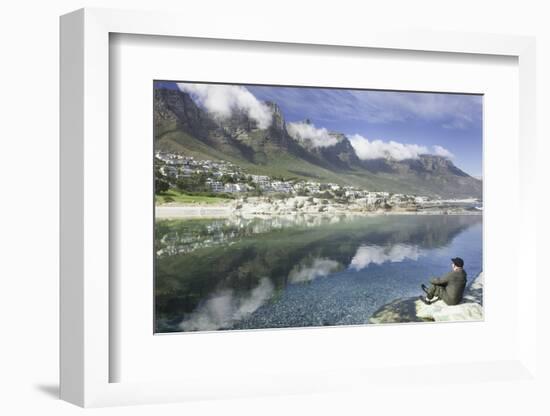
(273, 214)
(273, 208)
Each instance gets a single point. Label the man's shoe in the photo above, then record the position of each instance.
(425, 300)
(424, 288)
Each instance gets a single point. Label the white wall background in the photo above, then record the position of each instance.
(29, 183)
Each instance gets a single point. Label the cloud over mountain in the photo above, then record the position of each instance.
(223, 100)
(377, 149)
(319, 137)
(441, 151)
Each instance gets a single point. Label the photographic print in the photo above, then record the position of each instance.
(292, 206)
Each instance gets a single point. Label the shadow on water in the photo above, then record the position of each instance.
(279, 272)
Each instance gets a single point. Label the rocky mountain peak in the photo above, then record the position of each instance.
(177, 107)
(278, 122)
(435, 163)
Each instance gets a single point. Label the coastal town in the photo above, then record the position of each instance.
(253, 194)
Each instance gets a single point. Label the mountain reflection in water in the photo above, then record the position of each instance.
(303, 271)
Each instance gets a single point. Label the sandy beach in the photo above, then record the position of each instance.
(194, 211)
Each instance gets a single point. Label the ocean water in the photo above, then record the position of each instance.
(304, 271)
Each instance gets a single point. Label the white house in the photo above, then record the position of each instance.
(216, 186)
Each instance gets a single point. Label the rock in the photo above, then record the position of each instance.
(474, 293)
(414, 310)
(440, 311)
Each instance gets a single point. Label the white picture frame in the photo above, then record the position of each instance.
(85, 211)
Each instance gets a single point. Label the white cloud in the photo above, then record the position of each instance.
(376, 149)
(222, 100)
(319, 137)
(224, 308)
(441, 151)
(319, 268)
(367, 255)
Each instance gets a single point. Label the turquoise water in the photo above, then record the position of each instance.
(298, 272)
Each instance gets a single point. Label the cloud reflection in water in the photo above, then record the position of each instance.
(319, 268)
(372, 254)
(225, 307)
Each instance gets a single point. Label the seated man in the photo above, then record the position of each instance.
(448, 288)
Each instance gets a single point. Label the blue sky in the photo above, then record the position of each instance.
(451, 121)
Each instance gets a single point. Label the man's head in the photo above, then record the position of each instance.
(457, 263)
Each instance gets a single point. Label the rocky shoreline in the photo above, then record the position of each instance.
(258, 207)
(412, 309)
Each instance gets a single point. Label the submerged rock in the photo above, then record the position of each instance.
(414, 310)
(400, 310)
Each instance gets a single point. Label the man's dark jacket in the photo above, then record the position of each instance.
(451, 286)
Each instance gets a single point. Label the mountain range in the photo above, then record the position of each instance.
(183, 126)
